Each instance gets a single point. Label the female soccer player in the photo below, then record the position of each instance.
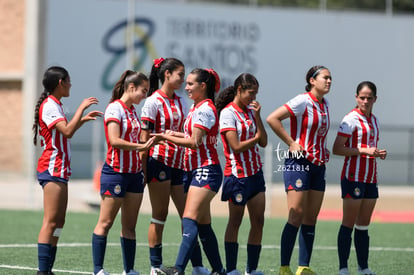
(165, 111)
(53, 169)
(241, 130)
(357, 140)
(122, 180)
(304, 173)
(203, 170)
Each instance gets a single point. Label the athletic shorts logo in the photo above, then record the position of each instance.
(299, 183)
(357, 192)
(162, 175)
(239, 197)
(117, 189)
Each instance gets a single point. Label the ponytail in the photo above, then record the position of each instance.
(122, 84)
(35, 126)
(313, 73)
(158, 70)
(224, 98)
(211, 78)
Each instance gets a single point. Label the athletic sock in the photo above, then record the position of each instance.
(232, 250)
(306, 238)
(253, 255)
(128, 247)
(344, 245)
(287, 243)
(196, 258)
(44, 256)
(98, 252)
(210, 246)
(53, 251)
(156, 255)
(361, 242)
(190, 235)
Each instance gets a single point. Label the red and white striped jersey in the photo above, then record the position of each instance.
(203, 116)
(246, 163)
(56, 148)
(363, 132)
(165, 114)
(309, 125)
(123, 161)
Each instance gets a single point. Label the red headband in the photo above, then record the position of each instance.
(213, 72)
(158, 61)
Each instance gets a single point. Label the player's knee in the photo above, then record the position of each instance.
(53, 225)
(160, 214)
(257, 221)
(106, 225)
(234, 224)
(296, 215)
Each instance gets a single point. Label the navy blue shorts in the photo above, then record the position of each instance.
(358, 190)
(45, 177)
(301, 175)
(239, 190)
(209, 177)
(187, 176)
(117, 184)
(158, 171)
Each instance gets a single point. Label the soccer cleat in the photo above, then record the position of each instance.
(169, 271)
(304, 270)
(131, 272)
(155, 270)
(234, 272)
(365, 271)
(285, 270)
(254, 272)
(344, 271)
(218, 273)
(200, 270)
(102, 272)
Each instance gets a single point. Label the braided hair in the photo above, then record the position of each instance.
(51, 79)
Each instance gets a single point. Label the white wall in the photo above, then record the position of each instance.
(276, 45)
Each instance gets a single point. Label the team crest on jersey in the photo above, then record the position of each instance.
(357, 192)
(239, 197)
(299, 183)
(117, 189)
(175, 115)
(134, 123)
(162, 175)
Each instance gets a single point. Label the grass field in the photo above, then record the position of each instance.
(392, 245)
